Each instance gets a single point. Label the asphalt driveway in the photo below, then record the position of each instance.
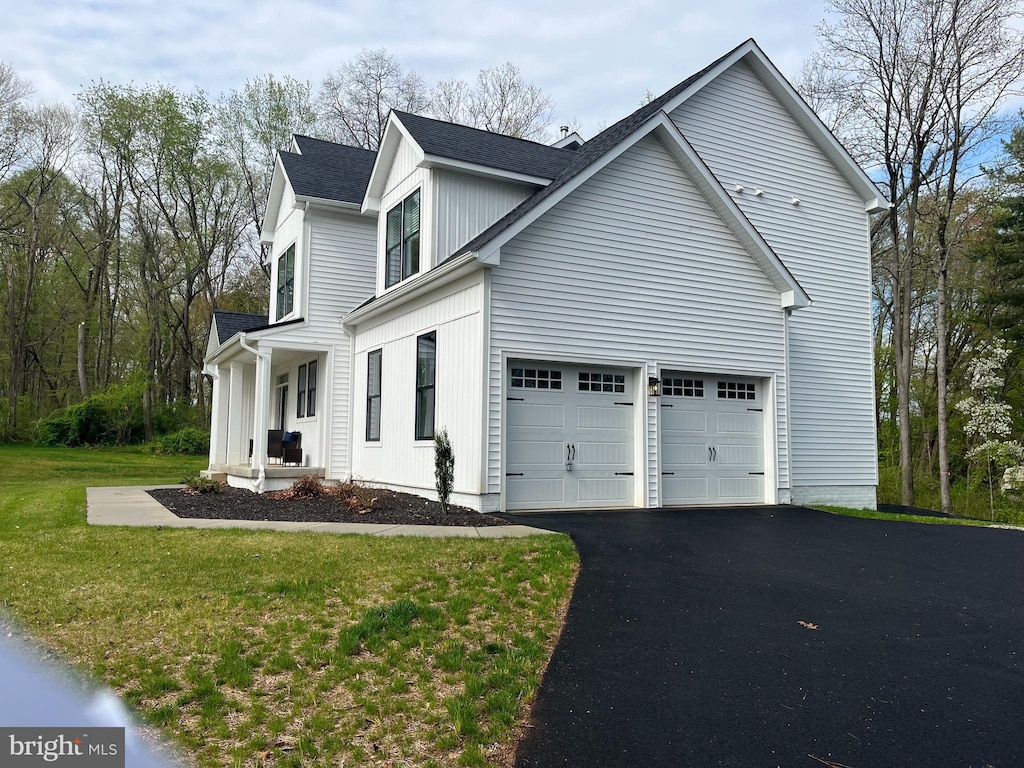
(784, 637)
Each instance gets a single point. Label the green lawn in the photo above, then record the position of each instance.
(272, 649)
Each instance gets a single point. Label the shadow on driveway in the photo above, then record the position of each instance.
(784, 637)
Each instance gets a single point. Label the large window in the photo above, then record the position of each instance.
(305, 401)
(373, 372)
(403, 240)
(285, 282)
(426, 370)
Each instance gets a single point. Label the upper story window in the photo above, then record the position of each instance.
(285, 282)
(402, 249)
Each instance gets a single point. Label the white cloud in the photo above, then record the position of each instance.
(596, 60)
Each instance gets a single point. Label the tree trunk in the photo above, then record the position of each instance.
(941, 356)
(83, 379)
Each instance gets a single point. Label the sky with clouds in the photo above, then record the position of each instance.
(595, 59)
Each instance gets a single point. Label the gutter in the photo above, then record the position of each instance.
(262, 477)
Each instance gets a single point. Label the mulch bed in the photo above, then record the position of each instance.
(389, 507)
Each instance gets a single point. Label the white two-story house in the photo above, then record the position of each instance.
(676, 312)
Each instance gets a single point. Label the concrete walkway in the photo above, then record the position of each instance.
(132, 505)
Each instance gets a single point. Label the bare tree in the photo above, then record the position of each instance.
(501, 102)
(904, 64)
(354, 101)
(254, 123)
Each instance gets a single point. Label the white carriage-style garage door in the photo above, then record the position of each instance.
(711, 440)
(570, 436)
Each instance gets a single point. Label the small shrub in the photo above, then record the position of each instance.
(444, 468)
(185, 442)
(198, 484)
(307, 487)
(357, 498)
(111, 417)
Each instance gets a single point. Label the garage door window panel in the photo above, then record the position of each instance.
(536, 378)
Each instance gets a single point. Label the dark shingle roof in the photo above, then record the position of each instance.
(230, 323)
(587, 155)
(327, 170)
(472, 145)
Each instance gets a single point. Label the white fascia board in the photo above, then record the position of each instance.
(302, 201)
(752, 55)
(417, 286)
(277, 182)
(474, 169)
(793, 295)
(566, 140)
(394, 134)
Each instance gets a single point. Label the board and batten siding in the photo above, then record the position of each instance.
(748, 138)
(635, 265)
(287, 231)
(398, 460)
(466, 205)
(342, 256)
(404, 177)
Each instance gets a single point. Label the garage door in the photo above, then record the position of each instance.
(569, 440)
(712, 440)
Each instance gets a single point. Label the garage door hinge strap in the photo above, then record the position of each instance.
(668, 473)
(667, 405)
(755, 473)
(520, 399)
(758, 410)
(623, 403)
(513, 474)
(624, 473)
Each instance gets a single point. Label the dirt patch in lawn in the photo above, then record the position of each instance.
(387, 507)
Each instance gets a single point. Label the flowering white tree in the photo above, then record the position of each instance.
(989, 423)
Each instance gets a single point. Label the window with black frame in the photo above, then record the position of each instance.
(402, 246)
(373, 382)
(426, 371)
(285, 282)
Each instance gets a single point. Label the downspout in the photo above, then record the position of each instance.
(262, 477)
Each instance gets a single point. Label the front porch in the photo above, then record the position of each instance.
(267, 392)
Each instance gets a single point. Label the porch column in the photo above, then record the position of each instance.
(236, 441)
(260, 411)
(219, 416)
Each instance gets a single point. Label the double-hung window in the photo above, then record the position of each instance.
(285, 282)
(305, 402)
(373, 372)
(403, 240)
(426, 371)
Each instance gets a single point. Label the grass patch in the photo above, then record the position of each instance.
(274, 649)
(873, 514)
(969, 501)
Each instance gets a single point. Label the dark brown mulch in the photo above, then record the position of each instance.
(389, 507)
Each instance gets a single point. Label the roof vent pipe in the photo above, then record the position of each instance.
(565, 131)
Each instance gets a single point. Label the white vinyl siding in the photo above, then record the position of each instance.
(635, 265)
(467, 205)
(455, 313)
(747, 138)
(342, 257)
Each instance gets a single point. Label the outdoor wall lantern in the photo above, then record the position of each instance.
(654, 386)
